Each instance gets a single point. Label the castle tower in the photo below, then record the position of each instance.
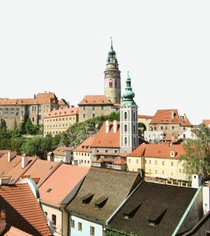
(112, 81)
(128, 120)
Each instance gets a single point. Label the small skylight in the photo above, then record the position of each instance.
(51, 167)
(49, 189)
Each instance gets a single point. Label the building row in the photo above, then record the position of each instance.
(54, 198)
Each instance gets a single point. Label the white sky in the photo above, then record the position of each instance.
(61, 46)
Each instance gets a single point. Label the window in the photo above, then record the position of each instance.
(54, 219)
(150, 162)
(83, 108)
(180, 170)
(93, 108)
(163, 163)
(125, 115)
(161, 127)
(163, 172)
(92, 231)
(79, 226)
(72, 223)
(155, 171)
(125, 141)
(172, 164)
(172, 127)
(102, 108)
(137, 161)
(83, 115)
(129, 160)
(156, 162)
(125, 128)
(149, 171)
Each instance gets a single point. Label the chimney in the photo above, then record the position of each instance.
(9, 156)
(107, 126)
(2, 221)
(196, 181)
(115, 126)
(24, 161)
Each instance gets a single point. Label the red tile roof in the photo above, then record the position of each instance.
(160, 150)
(85, 146)
(63, 112)
(41, 169)
(110, 139)
(23, 210)
(145, 117)
(170, 116)
(95, 100)
(12, 231)
(61, 183)
(206, 123)
(14, 167)
(41, 98)
(61, 150)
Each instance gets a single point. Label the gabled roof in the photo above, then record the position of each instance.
(17, 171)
(63, 112)
(41, 98)
(158, 150)
(153, 209)
(110, 139)
(61, 150)
(85, 146)
(113, 185)
(6, 166)
(61, 183)
(23, 210)
(41, 169)
(170, 116)
(95, 100)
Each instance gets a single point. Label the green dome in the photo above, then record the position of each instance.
(128, 94)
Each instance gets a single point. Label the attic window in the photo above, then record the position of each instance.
(51, 167)
(130, 212)
(156, 216)
(100, 202)
(87, 198)
(83, 146)
(49, 189)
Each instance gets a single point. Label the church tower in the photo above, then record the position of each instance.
(112, 81)
(128, 120)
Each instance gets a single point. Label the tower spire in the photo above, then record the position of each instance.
(111, 43)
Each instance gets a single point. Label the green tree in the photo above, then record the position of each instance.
(197, 154)
(38, 146)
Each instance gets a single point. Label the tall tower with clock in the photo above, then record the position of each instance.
(112, 81)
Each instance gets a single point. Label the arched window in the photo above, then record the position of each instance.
(125, 128)
(125, 141)
(125, 115)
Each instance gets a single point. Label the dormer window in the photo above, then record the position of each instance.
(101, 202)
(130, 212)
(87, 198)
(156, 216)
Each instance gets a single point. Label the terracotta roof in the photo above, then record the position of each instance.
(23, 210)
(62, 102)
(145, 116)
(85, 146)
(16, 171)
(63, 112)
(12, 231)
(110, 139)
(95, 100)
(61, 183)
(120, 162)
(163, 205)
(206, 123)
(170, 116)
(41, 98)
(6, 166)
(41, 169)
(158, 150)
(61, 150)
(112, 184)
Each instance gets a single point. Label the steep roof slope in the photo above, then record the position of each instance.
(154, 209)
(105, 186)
(23, 210)
(61, 183)
(110, 139)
